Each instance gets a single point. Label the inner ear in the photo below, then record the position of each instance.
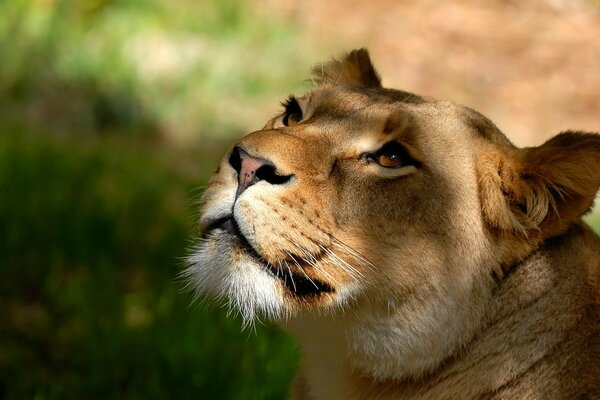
(353, 69)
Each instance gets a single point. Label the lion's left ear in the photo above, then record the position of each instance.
(354, 69)
(542, 189)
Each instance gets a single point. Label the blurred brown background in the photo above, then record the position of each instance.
(531, 66)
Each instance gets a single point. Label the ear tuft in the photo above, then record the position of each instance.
(354, 69)
(563, 175)
(540, 189)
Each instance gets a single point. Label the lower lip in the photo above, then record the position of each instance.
(297, 284)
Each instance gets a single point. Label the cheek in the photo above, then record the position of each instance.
(378, 205)
(401, 207)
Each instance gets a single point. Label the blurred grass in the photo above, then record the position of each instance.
(112, 115)
(179, 69)
(91, 308)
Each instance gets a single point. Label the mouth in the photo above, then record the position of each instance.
(299, 284)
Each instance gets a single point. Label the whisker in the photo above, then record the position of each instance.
(291, 276)
(342, 263)
(336, 262)
(278, 269)
(364, 261)
(354, 253)
(301, 269)
(312, 261)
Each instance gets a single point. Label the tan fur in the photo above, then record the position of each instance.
(464, 274)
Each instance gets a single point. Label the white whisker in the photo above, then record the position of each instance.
(342, 263)
(312, 261)
(359, 257)
(302, 269)
(291, 276)
(355, 254)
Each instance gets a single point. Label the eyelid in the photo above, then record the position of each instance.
(290, 101)
(381, 150)
(390, 146)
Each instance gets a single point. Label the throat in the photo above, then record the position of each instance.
(416, 339)
(380, 345)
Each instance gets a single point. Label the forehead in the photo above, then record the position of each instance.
(382, 114)
(342, 101)
(367, 117)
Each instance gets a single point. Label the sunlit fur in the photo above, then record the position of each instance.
(466, 273)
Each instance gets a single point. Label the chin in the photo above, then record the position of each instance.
(227, 267)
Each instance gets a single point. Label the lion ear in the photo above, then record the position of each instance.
(541, 189)
(354, 69)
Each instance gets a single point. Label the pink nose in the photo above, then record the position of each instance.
(252, 170)
(247, 174)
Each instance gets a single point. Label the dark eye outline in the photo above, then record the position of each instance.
(293, 111)
(393, 150)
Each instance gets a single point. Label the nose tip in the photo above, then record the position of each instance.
(253, 169)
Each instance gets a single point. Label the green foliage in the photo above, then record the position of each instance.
(180, 68)
(594, 218)
(90, 237)
(96, 205)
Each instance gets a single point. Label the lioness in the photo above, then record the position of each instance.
(409, 247)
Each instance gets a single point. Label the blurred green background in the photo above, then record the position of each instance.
(112, 117)
(113, 114)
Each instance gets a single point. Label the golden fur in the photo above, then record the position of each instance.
(462, 272)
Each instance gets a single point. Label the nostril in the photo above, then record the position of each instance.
(251, 170)
(235, 160)
(268, 173)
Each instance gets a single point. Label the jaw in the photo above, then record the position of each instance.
(226, 267)
(221, 269)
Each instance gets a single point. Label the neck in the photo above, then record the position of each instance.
(374, 344)
(486, 337)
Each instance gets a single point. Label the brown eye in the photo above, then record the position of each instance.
(393, 155)
(389, 160)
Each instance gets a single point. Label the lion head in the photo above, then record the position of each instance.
(386, 213)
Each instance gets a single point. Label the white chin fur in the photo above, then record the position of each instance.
(219, 268)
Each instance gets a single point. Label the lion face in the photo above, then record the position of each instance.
(351, 192)
(390, 213)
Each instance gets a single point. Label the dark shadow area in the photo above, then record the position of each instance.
(90, 242)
